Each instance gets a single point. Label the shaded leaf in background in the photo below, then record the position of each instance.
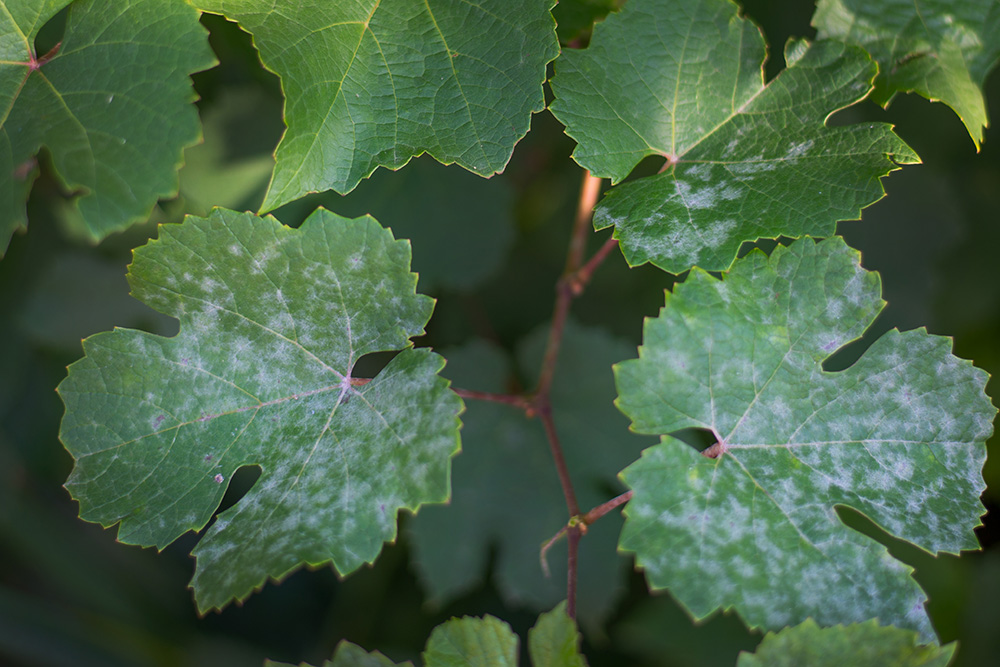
(939, 49)
(745, 160)
(575, 18)
(112, 107)
(860, 645)
(505, 491)
(555, 640)
(461, 226)
(375, 83)
(897, 436)
(471, 642)
(220, 171)
(272, 322)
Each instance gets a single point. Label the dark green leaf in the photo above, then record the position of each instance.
(505, 488)
(897, 436)
(112, 106)
(351, 655)
(683, 80)
(376, 82)
(273, 321)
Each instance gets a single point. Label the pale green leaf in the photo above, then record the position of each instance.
(898, 436)
(472, 642)
(112, 106)
(351, 655)
(506, 493)
(272, 323)
(555, 641)
(745, 161)
(376, 82)
(859, 645)
(939, 49)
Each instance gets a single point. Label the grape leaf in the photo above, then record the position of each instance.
(375, 82)
(461, 226)
(112, 106)
(506, 492)
(555, 641)
(860, 645)
(745, 160)
(939, 49)
(351, 655)
(898, 436)
(272, 322)
(471, 642)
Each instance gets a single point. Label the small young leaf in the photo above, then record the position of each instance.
(351, 655)
(745, 160)
(112, 105)
(375, 83)
(472, 642)
(899, 436)
(272, 322)
(859, 645)
(939, 49)
(555, 641)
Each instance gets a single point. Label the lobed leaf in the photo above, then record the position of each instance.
(898, 436)
(112, 106)
(745, 160)
(272, 323)
(506, 493)
(861, 645)
(939, 49)
(376, 82)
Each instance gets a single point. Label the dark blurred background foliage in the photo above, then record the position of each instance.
(70, 595)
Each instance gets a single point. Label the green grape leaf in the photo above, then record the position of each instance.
(461, 226)
(745, 160)
(899, 436)
(351, 655)
(471, 642)
(939, 49)
(376, 82)
(555, 641)
(860, 645)
(272, 323)
(506, 493)
(112, 105)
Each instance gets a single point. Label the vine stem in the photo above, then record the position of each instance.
(569, 286)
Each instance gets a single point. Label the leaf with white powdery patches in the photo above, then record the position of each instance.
(859, 645)
(941, 49)
(373, 83)
(898, 436)
(272, 322)
(112, 106)
(745, 161)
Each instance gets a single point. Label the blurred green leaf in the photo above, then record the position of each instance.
(351, 655)
(261, 374)
(745, 160)
(859, 645)
(461, 226)
(112, 106)
(898, 436)
(505, 489)
(375, 83)
(939, 49)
